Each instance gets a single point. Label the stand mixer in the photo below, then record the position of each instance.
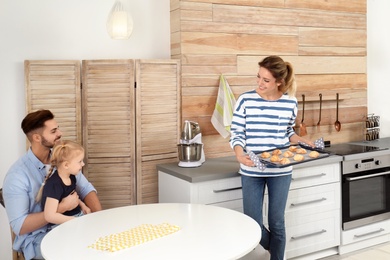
(190, 147)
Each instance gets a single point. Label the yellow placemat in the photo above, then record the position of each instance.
(133, 237)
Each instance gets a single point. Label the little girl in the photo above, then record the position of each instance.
(66, 162)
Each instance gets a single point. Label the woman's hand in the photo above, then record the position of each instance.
(296, 139)
(242, 157)
(245, 160)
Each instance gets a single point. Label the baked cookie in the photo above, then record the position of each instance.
(288, 154)
(292, 148)
(275, 158)
(284, 161)
(301, 151)
(314, 154)
(299, 157)
(265, 155)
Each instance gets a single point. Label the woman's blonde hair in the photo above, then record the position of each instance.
(283, 72)
(63, 151)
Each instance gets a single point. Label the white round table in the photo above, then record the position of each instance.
(206, 232)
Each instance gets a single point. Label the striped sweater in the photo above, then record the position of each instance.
(259, 125)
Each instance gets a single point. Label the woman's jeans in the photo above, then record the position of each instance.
(253, 189)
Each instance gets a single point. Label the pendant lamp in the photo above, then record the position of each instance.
(119, 22)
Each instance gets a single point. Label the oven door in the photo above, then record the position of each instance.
(365, 197)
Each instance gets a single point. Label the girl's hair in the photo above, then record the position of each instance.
(63, 151)
(282, 71)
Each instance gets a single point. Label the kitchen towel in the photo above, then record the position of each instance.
(223, 111)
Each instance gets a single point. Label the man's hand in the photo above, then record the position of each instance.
(84, 207)
(69, 202)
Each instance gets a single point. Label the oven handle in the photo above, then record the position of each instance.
(369, 233)
(367, 176)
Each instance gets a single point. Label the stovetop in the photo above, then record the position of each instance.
(349, 149)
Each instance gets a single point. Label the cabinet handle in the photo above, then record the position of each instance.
(369, 233)
(229, 189)
(309, 234)
(307, 177)
(307, 202)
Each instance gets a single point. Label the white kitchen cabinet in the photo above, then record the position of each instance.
(312, 211)
(312, 233)
(365, 236)
(223, 192)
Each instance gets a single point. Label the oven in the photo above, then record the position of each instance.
(365, 185)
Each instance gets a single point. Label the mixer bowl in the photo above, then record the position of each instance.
(190, 152)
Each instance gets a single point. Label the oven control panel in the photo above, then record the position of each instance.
(369, 163)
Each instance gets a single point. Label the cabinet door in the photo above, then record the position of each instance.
(108, 128)
(157, 122)
(55, 85)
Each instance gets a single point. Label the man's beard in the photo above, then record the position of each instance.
(47, 143)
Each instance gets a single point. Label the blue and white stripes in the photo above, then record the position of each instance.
(260, 125)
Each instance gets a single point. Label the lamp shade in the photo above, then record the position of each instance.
(119, 22)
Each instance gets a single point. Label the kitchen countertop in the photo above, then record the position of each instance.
(381, 143)
(225, 167)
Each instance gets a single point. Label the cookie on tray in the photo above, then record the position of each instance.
(292, 148)
(301, 151)
(265, 155)
(299, 157)
(288, 154)
(275, 158)
(284, 161)
(314, 154)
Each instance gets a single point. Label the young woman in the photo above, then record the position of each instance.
(263, 120)
(66, 162)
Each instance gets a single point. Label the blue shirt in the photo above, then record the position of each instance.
(20, 187)
(259, 125)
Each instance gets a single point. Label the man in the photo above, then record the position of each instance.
(24, 178)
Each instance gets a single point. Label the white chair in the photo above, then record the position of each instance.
(15, 255)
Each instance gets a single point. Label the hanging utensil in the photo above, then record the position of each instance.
(319, 117)
(302, 127)
(337, 124)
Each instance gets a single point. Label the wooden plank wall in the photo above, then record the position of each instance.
(324, 40)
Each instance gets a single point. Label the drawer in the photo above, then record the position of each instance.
(317, 175)
(308, 201)
(313, 233)
(218, 191)
(366, 232)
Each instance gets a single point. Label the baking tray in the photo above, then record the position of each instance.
(307, 158)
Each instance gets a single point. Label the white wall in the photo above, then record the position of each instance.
(57, 29)
(378, 61)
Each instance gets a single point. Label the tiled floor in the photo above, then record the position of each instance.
(379, 252)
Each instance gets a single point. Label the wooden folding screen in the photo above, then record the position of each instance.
(158, 122)
(55, 85)
(130, 121)
(108, 129)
